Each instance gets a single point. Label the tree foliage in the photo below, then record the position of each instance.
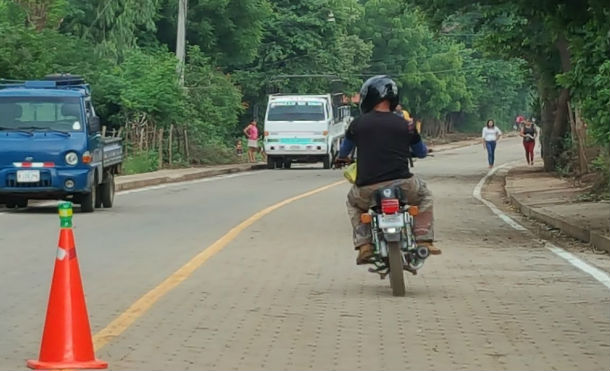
(112, 26)
(229, 31)
(443, 80)
(309, 37)
(565, 44)
(457, 62)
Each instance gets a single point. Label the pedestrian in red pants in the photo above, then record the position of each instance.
(529, 134)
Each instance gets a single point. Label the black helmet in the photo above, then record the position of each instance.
(377, 89)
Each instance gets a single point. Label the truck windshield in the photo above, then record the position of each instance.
(296, 111)
(40, 113)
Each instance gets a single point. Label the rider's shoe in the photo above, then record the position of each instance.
(431, 248)
(365, 253)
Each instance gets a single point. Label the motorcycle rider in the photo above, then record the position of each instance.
(383, 143)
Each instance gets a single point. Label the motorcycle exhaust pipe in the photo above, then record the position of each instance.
(417, 257)
(422, 252)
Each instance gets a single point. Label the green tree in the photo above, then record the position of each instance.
(113, 26)
(228, 31)
(429, 71)
(32, 50)
(545, 33)
(214, 100)
(310, 37)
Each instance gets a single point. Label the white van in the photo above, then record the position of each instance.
(303, 128)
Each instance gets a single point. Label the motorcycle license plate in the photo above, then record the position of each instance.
(28, 176)
(391, 221)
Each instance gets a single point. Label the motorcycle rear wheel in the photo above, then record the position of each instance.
(397, 277)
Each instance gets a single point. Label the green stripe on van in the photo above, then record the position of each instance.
(295, 140)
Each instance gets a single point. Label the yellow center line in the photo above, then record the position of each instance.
(144, 303)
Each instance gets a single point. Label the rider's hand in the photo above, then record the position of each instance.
(342, 161)
(411, 126)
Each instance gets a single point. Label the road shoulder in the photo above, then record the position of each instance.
(129, 182)
(553, 201)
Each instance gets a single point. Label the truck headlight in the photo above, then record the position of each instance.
(71, 158)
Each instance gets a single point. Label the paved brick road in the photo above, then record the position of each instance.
(286, 294)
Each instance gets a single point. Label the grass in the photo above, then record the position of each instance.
(140, 163)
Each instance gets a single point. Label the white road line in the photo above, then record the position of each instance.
(189, 182)
(596, 273)
(161, 186)
(477, 194)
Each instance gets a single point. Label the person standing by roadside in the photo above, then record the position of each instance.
(239, 150)
(251, 132)
(491, 135)
(518, 123)
(529, 134)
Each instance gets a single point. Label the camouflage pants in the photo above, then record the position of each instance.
(417, 193)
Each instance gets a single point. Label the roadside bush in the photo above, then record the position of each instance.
(142, 162)
(214, 153)
(601, 184)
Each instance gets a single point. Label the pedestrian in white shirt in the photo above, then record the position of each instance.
(491, 135)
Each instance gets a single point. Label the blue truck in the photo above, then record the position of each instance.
(51, 145)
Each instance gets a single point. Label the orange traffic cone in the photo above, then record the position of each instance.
(66, 340)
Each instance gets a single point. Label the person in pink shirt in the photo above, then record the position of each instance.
(251, 132)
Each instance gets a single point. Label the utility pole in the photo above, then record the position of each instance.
(181, 38)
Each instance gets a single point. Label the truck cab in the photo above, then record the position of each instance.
(51, 145)
(303, 128)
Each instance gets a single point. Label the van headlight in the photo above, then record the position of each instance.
(71, 158)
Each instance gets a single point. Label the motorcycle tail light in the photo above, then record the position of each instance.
(366, 218)
(413, 210)
(390, 206)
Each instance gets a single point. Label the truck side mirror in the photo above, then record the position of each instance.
(94, 124)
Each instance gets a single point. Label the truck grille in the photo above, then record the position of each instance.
(45, 181)
(10, 183)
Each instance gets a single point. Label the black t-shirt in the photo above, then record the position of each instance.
(383, 142)
(531, 131)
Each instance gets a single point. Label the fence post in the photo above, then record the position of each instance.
(126, 140)
(141, 143)
(171, 133)
(103, 131)
(160, 148)
(186, 146)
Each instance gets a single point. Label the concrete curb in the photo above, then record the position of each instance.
(595, 238)
(599, 241)
(455, 145)
(204, 173)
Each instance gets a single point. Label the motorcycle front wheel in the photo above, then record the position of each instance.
(397, 278)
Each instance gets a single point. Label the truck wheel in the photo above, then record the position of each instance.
(16, 203)
(327, 161)
(271, 162)
(87, 201)
(98, 198)
(107, 191)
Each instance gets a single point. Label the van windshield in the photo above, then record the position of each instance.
(40, 113)
(296, 111)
